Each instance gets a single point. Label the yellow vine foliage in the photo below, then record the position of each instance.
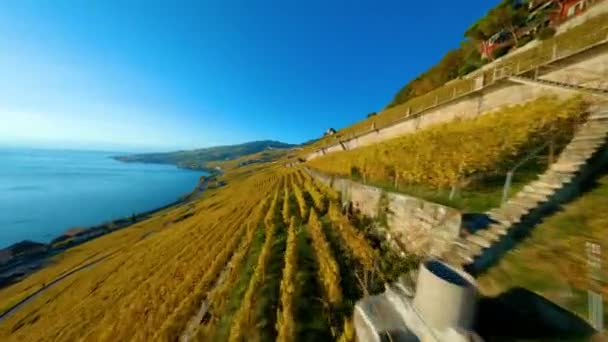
(319, 199)
(287, 212)
(241, 324)
(286, 325)
(299, 194)
(329, 273)
(356, 242)
(441, 155)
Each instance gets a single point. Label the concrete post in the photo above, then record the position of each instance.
(554, 54)
(445, 297)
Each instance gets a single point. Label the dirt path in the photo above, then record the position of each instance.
(194, 322)
(25, 300)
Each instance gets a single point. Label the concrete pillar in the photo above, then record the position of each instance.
(445, 297)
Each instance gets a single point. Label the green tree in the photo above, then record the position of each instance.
(504, 18)
(474, 32)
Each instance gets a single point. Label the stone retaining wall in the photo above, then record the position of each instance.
(418, 226)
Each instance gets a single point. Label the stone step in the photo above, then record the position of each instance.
(513, 211)
(489, 235)
(525, 202)
(510, 218)
(469, 250)
(599, 116)
(478, 240)
(588, 137)
(584, 144)
(499, 216)
(539, 189)
(593, 129)
(517, 210)
(506, 212)
(519, 207)
(593, 122)
(498, 229)
(459, 260)
(547, 184)
(556, 177)
(567, 167)
(576, 154)
(582, 152)
(533, 195)
(572, 159)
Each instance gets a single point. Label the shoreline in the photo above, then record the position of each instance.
(22, 258)
(126, 159)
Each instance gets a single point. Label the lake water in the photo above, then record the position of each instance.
(45, 192)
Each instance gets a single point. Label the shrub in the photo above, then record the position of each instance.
(501, 51)
(545, 33)
(524, 40)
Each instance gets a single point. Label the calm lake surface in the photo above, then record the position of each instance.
(45, 192)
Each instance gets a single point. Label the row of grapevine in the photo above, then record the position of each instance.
(272, 211)
(219, 296)
(187, 282)
(217, 260)
(179, 279)
(329, 274)
(287, 211)
(301, 199)
(286, 325)
(243, 324)
(355, 240)
(319, 200)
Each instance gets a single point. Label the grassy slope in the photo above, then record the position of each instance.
(552, 261)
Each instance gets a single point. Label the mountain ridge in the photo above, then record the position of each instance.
(197, 159)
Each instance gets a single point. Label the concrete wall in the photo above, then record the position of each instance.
(490, 99)
(416, 225)
(588, 69)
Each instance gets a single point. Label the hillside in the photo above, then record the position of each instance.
(471, 155)
(256, 251)
(198, 159)
(267, 251)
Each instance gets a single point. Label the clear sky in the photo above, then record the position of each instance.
(173, 74)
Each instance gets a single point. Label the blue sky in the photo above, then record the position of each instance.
(163, 75)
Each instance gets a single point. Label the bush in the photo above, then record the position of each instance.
(545, 33)
(524, 40)
(501, 51)
(468, 68)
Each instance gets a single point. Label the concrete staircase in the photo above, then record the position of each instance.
(582, 157)
(560, 85)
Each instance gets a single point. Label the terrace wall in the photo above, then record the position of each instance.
(415, 225)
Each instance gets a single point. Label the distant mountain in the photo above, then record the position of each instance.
(198, 159)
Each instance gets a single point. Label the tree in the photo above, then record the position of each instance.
(504, 18)
(474, 32)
